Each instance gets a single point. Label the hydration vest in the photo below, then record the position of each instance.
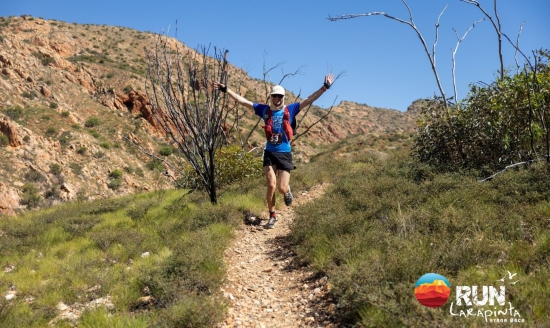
(288, 128)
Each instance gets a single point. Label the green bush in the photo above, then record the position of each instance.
(51, 131)
(54, 106)
(30, 196)
(14, 113)
(114, 184)
(115, 174)
(76, 168)
(4, 140)
(91, 122)
(47, 61)
(52, 193)
(34, 176)
(139, 209)
(55, 169)
(496, 125)
(65, 138)
(166, 151)
(30, 95)
(232, 165)
(155, 164)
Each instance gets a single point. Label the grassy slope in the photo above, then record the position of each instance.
(80, 252)
(383, 224)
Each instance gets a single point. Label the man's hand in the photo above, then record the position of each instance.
(219, 86)
(240, 99)
(329, 79)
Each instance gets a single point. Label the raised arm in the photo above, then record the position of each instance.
(240, 99)
(314, 96)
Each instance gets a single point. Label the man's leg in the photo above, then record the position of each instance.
(283, 187)
(284, 178)
(271, 180)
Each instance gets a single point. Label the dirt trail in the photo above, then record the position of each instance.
(266, 285)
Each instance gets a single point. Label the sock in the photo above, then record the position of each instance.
(272, 214)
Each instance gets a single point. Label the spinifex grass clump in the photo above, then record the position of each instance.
(384, 224)
(156, 258)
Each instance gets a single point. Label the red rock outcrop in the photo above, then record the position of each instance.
(9, 200)
(8, 128)
(138, 103)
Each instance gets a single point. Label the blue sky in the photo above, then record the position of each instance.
(384, 61)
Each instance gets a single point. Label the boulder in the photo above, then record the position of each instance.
(8, 128)
(9, 199)
(5, 61)
(45, 91)
(69, 191)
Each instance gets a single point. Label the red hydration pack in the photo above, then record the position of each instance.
(287, 127)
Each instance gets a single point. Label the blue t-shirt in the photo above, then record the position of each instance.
(279, 143)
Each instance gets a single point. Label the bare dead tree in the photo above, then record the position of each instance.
(459, 40)
(188, 109)
(410, 22)
(536, 86)
(496, 25)
(498, 29)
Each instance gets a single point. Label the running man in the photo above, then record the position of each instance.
(278, 119)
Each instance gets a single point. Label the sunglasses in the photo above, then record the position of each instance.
(277, 96)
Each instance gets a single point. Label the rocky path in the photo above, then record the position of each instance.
(266, 285)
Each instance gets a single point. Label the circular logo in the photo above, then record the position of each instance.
(432, 290)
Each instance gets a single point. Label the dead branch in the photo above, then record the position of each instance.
(436, 34)
(299, 123)
(517, 47)
(415, 28)
(498, 29)
(507, 168)
(459, 40)
(258, 147)
(496, 25)
(315, 123)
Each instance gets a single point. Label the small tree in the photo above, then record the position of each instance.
(189, 110)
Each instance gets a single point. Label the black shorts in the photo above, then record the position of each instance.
(283, 161)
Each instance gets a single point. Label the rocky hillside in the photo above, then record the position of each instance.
(71, 95)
